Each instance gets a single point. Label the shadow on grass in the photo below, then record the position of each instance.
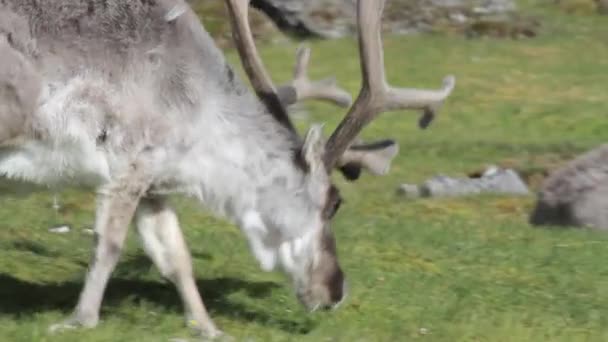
(20, 297)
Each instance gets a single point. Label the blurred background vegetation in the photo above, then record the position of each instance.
(334, 18)
(461, 269)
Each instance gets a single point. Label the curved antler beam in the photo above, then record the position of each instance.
(429, 101)
(350, 158)
(376, 95)
(252, 63)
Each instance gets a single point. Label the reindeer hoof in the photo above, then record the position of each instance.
(218, 338)
(207, 332)
(222, 337)
(72, 323)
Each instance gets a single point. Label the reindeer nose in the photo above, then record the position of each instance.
(325, 307)
(338, 299)
(337, 287)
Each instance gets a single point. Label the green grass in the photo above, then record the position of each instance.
(468, 269)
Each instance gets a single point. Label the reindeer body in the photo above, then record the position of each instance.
(113, 83)
(121, 77)
(133, 99)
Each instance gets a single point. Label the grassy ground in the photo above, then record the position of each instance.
(437, 270)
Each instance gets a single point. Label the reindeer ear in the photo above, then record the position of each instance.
(314, 147)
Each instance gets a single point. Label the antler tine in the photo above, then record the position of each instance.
(373, 157)
(302, 61)
(376, 96)
(252, 63)
(302, 88)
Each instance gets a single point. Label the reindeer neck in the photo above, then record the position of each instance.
(236, 151)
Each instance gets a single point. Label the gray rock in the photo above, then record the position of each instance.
(494, 180)
(576, 194)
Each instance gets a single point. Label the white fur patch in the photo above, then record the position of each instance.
(74, 164)
(68, 155)
(293, 253)
(162, 239)
(252, 223)
(175, 13)
(153, 246)
(287, 260)
(257, 235)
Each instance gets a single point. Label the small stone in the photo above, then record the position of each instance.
(493, 180)
(62, 229)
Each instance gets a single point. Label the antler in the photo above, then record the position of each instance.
(376, 96)
(375, 157)
(238, 11)
(302, 88)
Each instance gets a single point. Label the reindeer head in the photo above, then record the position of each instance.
(310, 259)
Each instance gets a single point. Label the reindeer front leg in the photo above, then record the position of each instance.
(163, 241)
(116, 206)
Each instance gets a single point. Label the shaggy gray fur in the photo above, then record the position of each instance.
(133, 99)
(576, 194)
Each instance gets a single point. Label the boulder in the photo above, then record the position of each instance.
(576, 194)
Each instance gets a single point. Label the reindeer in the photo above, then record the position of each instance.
(133, 99)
